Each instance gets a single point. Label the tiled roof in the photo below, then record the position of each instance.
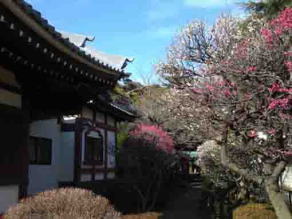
(115, 61)
(37, 17)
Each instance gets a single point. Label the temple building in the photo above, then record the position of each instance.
(58, 123)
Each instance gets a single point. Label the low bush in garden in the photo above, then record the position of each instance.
(146, 157)
(254, 211)
(150, 215)
(63, 203)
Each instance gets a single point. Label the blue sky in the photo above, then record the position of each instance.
(135, 28)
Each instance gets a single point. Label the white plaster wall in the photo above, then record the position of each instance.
(99, 176)
(111, 120)
(111, 149)
(111, 175)
(67, 148)
(44, 177)
(8, 197)
(10, 98)
(100, 117)
(87, 113)
(85, 177)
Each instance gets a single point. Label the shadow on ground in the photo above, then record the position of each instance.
(187, 203)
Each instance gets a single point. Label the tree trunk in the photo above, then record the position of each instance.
(270, 183)
(275, 196)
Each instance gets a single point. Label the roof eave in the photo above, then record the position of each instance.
(41, 27)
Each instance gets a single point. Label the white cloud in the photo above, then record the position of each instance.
(208, 3)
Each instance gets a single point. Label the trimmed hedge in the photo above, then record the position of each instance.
(65, 203)
(150, 215)
(254, 211)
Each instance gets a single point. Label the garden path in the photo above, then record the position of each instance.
(188, 203)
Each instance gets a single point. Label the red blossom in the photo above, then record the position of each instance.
(284, 20)
(227, 92)
(277, 88)
(251, 68)
(281, 103)
(278, 26)
(267, 34)
(154, 133)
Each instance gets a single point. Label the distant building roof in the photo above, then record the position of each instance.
(115, 61)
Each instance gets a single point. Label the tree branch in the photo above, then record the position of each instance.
(275, 196)
(248, 175)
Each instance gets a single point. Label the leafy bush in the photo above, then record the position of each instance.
(153, 133)
(63, 204)
(147, 168)
(254, 211)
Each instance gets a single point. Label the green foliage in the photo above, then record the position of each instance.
(123, 134)
(268, 8)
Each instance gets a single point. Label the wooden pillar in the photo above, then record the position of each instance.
(105, 147)
(77, 154)
(93, 165)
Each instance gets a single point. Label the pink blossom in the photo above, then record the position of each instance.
(267, 34)
(284, 116)
(252, 134)
(227, 92)
(287, 153)
(251, 68)
(277, 88)
(284, 20)
(210, 87)
(288, 65)
(289, 53)
(197, 90)
(242, 49)
(281, 103)
(271, 131)
(248, 96)
(153, 132)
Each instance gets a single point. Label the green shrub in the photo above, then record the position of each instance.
(147, 169)
(254, 211)
(67, 203)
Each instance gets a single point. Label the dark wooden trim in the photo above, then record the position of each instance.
(106, 147)
(68, 127)
(97, 170)
(16, 31)
(16, 172)
(105, 126)
(10, 88)
(36, 152)
(22, 191)
(77, 153)
(93, 164)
